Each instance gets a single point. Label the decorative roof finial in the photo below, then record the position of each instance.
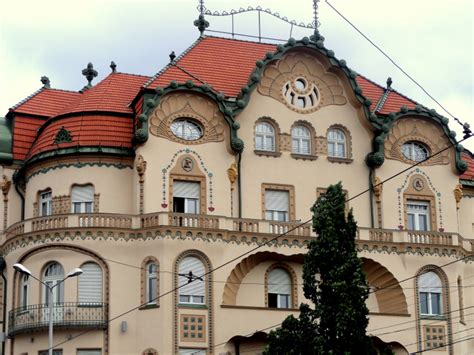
(46, 82)
(172, 57)
(201, 22)
(389, 83)
(113, 66)
(90, 73)
(316, 36)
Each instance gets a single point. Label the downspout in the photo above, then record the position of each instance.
(3, 265)
(239, 184)
(371, 197)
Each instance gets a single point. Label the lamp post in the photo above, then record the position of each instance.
(73, 273)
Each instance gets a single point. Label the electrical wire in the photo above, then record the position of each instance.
(394, 63)
(440, 346)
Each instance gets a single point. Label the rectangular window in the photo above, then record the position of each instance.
(55, 352)
(82, 199)
(89, 351)
(186, 196)
(276, 205)
(192, 351)
(46, 203)
(418, 215)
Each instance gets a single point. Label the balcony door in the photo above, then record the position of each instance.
(52, 277)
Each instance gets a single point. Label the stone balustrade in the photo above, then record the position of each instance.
(235, 225)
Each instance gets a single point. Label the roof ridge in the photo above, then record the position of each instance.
(64, 90)
(141, 75)
(26, 99)
(177, 59)
(243, 40)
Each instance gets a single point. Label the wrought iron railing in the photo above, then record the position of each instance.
(65, 315)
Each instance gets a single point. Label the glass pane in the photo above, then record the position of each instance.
(424, 303)
(341, 150)
(258, 142)
(411, 221)
(435, 303)
(331, 149)
(269, 215)
(423, 222)
(183, 299)
(282, 216)
(295, 146)
(284, 301)
(77, 207)
(305, 147)
(88, 207)
(151, 289)
(192, 206)
(268, 143)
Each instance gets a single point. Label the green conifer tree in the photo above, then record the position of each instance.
(334, 282)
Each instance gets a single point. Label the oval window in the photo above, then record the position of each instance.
(186, 129)
(415, 151)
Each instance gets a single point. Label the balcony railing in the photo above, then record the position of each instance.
(227, 225)
(65, 315)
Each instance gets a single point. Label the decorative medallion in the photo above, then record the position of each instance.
(418, 184)
(187, 164)
(63, 136)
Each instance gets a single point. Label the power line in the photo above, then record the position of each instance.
(444, 344)
(268, 242)
(464, 125)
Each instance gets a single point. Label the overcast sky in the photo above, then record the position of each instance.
(432, 40)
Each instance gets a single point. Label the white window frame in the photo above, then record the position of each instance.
(417, 213)
(51, 280)
(338, 138)
(264, 131)
(46, 203)
(82, 206)
(189, 201)
(280, 296)
(25, 290)
(298, 138)
(151, 275)
(186, 129)
(182, 280)
(85, 281)
(276, 215)
(433, 287)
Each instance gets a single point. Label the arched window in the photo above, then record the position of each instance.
(186, 129)
(265, 137)
(82, 199)
(193, 292)
(46, 203)
(53, 275)
(301, 140)
(336, 143)
(90, 284)
(151, 282)
(279, 289)
(430, 294)
(24, 291)
(415, 151)
(150, 351)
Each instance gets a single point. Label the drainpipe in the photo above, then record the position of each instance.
(3, 265)
(371, 197)
(239, 184)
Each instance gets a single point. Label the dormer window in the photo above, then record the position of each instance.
(186, 129)
(415, 151)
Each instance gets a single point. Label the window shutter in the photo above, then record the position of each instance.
(90, 284)
(83, 193)
(276, 200)
(429, 282)
(279, 282)
(195, 288)
(186, 189)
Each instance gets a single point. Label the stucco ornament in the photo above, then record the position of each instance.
(232, 174)
(5, 186)
(141, 168)
(378, 188)
(188, 106)
(419, 130)
(458, 195)
(301, 83)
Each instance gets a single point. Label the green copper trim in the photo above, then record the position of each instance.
(151, 101)
(79, 165)
(6, 155)
(384, 124)
(469, 183)
(63, 136)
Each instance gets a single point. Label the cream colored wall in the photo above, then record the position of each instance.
(114, 186)
(14, 200)
(158, 153)
(465, 217)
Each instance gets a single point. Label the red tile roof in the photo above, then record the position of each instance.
(469, 159)
(370, 90)
(223, 63)
(86, 130)
(113, 94)
(46, 102)
(25, 129)
(394, 102)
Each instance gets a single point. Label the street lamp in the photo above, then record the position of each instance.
(73, 273)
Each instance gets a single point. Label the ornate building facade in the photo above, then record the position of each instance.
(165, 191)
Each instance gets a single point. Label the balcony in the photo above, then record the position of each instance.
(65, 315)
(243, 229)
